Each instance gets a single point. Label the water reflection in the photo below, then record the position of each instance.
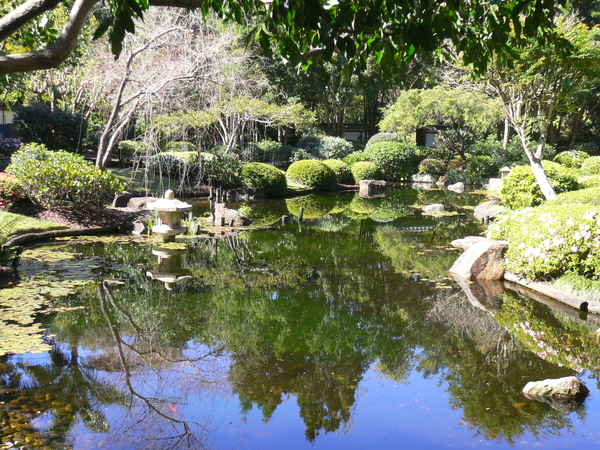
(276, 316)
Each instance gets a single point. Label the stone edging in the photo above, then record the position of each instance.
(28, 238)
(552, 292)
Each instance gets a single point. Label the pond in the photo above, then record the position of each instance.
(342, 331)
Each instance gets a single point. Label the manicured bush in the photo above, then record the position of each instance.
(314, 174)
(382, 137)
(265, 177)
(332, 147)
(591, 165)
(590, 196)
(590, 182)
(355, 157)
(59, 178)
(174, 163)
(342, 172)
(10, 189)
(365, 170)
(180, 146)
(520, 189)
(396, 161)
(571, 158)
(432, 166)
(131, 148)
(551, 240)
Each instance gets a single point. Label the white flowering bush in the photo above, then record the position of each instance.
(551, 240)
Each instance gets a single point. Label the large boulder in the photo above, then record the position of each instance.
(488, 210)
(466, 242)
(369, 188)
(566, 387)
(483, 260)
(140, 202)
(457, 187)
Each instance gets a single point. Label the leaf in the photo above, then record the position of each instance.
(102, 28)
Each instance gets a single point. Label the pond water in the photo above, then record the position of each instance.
(343, 331)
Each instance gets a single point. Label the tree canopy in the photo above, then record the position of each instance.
(390, 30)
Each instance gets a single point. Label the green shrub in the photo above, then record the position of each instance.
(395, 160)
(8, 146)
(432, 166)
(571, 158)
(590, 182)
(265, 177)
(174, 163)
(591, 165)
(300, 154)
(58, 178)
(520, 189)
(590, 196)
(10, 189)
(313, 173)
(382, 137)
(342, 172)
(365, 170)
(180, 146)
(332, 147)
(220, 170)
(55, 129)
(131, 148)
(551, 240)
(481, 166)
(355, 157)
(512, 154)
(309, 143)
(268, 151)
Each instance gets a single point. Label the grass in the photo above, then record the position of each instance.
(579, 286)
(15, 224)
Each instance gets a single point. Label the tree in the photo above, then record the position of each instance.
(539, 81)
(462, 109)
(391, 30)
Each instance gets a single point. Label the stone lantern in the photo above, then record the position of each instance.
(170, 212)
(504, 172)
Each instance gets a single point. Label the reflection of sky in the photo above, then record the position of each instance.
(387, 414)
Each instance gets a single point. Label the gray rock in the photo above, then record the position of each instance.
(483, 260)
(436, 207)
(488, 210)
(368, 188)
(457, 187)
(121, 199)
(137, 228)
(567, 387)
(223, 216)
(444, 182)
(139, 202)
(466, 242)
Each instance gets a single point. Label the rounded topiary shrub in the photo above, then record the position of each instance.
(590, 182)
(314, 174)
(181, 146)
(382, 137)
(396, 161)
(591, 165)
(59, 178)
(520, 189)
(432, 166)
(365, 170)
(571, 158)
(266, 177)
(332, 147)
(131, 148)
(342, 171)
(589, 196)
(355, 157)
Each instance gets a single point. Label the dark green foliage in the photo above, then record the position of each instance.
(266, 177)
(502, 157)
(342, 172)
(591, 165)
(396, 161)
(59, 178)
(326, 147)
(314, 174)
(365, 170)
(481, 166)
(571, 158)
(432, 166)
(55, 129)
(520, 189)
(382, 137)
(268, 151)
